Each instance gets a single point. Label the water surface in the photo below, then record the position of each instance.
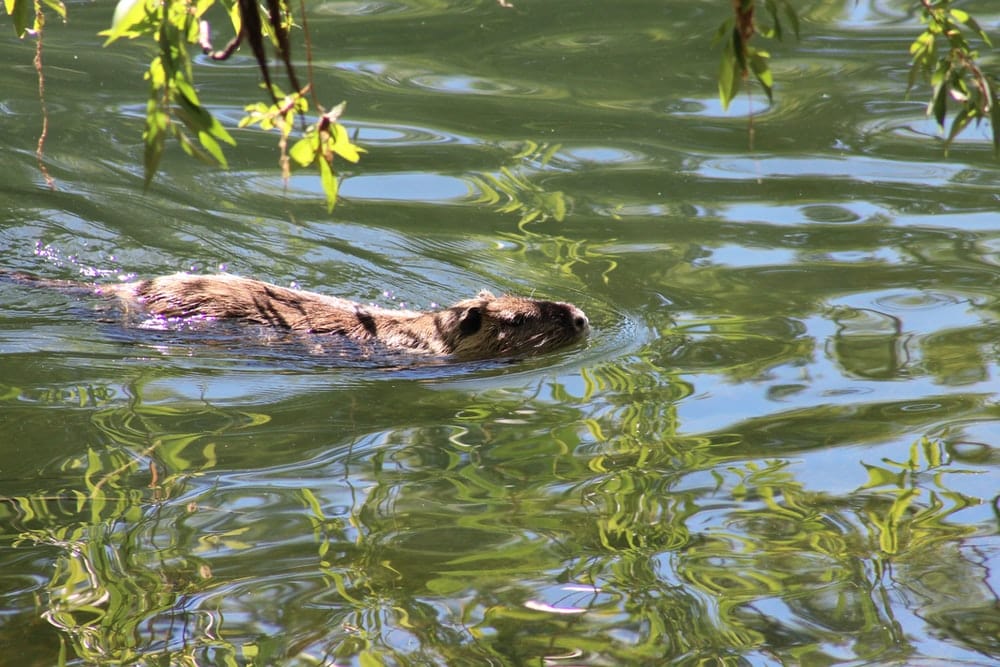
(779, 445)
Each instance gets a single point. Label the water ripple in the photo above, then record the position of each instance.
(360, 8)
(711, 107)
(471, 85)
(416, 187)
(612, 39)
(582, 156)
(412, 77)
(865, 170)
(381, 134)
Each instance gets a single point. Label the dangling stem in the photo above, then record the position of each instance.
(40, 149)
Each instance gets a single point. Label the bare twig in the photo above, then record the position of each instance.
(40, 149)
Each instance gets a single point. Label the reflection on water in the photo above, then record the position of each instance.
(859, 169)
(420, 187)
(779, 445)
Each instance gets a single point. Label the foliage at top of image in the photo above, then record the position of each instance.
(739, 56)
(174, 109)
(942, 56)
(953, 71)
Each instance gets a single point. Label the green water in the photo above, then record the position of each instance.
(779, 445)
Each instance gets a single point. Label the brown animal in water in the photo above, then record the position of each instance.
(481, 327)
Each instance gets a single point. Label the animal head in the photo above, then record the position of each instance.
(489, 325)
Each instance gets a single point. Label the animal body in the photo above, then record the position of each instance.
(481, 327)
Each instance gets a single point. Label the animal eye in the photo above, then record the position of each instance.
(471, 321)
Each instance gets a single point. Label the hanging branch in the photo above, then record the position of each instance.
(174, 108)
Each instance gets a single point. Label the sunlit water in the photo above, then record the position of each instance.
(779, 445)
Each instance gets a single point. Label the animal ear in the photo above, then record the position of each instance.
(486, 295)
(470, 321)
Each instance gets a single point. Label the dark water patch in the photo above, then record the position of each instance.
(828, 425)
(831, 213)
(585, 156)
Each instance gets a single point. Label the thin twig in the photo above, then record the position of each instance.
(40, 149)
(309, 55)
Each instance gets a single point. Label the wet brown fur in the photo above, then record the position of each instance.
(481, 327)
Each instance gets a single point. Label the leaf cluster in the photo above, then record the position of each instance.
(174, 25)
(943, 55)
(739, 56)
(320, 143)
(174, 108)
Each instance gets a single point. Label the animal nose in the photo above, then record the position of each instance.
(581, 322)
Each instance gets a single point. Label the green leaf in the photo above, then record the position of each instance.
(329, 182)
(303, 151)
(728, 81)
(212, 147)
(154, 137)
(23, 14)
(973, 25)
(958, 123)
(762, 70)
(342, 145)
(128, 15)
(912, 78)
(722, 31)
(959, 15)
(922, 48)
(772, 10)
(739, 51)
(200, 120)
(220, 132)
(197, 152)
(939, 104)
(793, 18)
(58, 7)
(156, 74)
(235, 18)
(186, 90)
